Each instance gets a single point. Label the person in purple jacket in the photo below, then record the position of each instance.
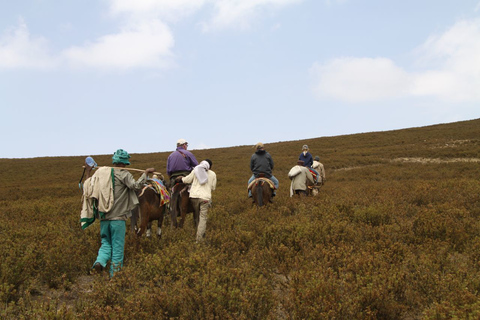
(180, 162)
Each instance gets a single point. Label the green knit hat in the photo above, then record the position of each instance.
(121, 156)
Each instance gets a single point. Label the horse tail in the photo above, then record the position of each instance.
(259, 190)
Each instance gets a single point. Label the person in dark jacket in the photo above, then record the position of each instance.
(261, 162)
(307, 159)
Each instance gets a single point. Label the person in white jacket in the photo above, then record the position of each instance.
(203, 181)
(318, 166)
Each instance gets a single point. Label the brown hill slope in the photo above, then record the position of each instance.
(393, 235)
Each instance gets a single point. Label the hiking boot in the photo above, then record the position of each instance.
(98, 267)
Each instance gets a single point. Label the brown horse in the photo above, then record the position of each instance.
(180, 205)
(313, 188)
(261, 191)
(147, 211)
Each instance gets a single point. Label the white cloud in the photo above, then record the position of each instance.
(146, 44)
(451, 63)
(226, 13)
(240, 13)
(18, 49)
(455, 55)
(144, 40)
(164, 9)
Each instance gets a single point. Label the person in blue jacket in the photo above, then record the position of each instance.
(307, 159)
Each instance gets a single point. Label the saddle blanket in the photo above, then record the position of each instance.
(270, 182)
(160, 189)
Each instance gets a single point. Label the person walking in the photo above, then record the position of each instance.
(300, 175)
(318, 166)
(113, 222)
(203, 181)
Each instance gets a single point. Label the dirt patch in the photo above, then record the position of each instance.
(414, 160)
(435, 160)
(452, 144)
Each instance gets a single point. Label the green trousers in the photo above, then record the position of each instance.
(113, 243)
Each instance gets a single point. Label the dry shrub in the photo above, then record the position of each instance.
(385, 239)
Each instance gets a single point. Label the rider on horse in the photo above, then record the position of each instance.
(261, 163)
(307, 159)
(180, 162)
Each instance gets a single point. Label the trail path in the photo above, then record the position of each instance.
(415, 160)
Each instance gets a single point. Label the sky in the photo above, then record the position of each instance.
(90, 77)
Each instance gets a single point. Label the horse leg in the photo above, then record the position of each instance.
(148, 233)
(183, 211)
(183, 201)
(160, 221)
(134, 220)
(141, 217)
(173, 208)
(268, 194)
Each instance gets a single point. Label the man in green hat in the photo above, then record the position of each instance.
(113, 222)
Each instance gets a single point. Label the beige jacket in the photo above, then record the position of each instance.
(320, 169)
(299, 176)
(201, 191)
(125, 194)
(116, 194)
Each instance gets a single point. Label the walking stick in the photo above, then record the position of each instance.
(89, 161)
(132, 169)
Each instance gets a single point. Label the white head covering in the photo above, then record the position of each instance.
(201, 172)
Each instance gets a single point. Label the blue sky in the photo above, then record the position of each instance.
(89, 77)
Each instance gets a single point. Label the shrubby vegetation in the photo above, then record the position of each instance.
(385, 239)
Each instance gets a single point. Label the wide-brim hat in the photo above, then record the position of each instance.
(121, 157)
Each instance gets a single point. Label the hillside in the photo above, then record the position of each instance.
(393, 234)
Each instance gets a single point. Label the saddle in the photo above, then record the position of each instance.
(159, 189)
(256, 180)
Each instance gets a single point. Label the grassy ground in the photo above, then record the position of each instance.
(394, 234)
